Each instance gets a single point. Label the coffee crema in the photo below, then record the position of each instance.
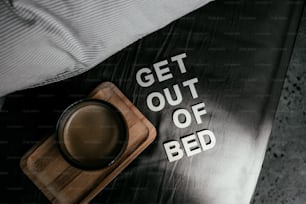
(91, 134)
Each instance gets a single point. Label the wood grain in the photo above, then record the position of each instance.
(63, 183)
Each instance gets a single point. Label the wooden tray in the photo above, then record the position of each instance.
(63, 183)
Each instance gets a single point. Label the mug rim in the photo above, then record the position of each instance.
(66, 114)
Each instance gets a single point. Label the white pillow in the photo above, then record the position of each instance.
(46, 41)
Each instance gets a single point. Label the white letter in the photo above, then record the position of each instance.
(198, 110)
(191, 145)
(190, 83)
(162, 73)
(206, 145)
(173, 151)
(178, 95)
(176, 120)
(161, 99)
(180, 62)
(149, 79)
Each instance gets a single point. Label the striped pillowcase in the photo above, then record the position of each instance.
(44, 41)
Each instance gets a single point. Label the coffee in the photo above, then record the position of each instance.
(91, 134)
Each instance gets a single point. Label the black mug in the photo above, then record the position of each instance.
(91, 134)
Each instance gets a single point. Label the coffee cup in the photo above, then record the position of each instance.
(91, 134)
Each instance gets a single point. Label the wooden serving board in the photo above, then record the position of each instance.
(63, 183)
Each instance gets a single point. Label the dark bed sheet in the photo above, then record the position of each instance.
(238, 50)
